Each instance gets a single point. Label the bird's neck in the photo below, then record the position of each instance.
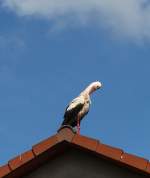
(89, 90)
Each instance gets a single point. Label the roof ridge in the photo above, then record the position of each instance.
(67, 135)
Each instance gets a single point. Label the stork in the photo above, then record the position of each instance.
(79, 107)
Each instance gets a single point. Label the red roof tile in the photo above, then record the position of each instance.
(33, 158)
(85, 142)
(20, 160)
(148, 168)
(135, 161)
(44, 145)
(110, 152)
(4, 170)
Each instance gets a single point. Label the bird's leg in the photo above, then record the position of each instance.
(78, 125)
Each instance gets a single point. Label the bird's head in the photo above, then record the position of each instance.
(96, 85)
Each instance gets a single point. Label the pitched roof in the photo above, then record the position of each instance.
(59, 142)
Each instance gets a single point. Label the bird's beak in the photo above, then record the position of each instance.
(100, 86)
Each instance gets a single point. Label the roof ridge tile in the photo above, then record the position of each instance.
(65, 134)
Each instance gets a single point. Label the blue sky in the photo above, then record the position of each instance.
(47, 59)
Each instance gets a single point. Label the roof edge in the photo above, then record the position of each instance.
(67, 135)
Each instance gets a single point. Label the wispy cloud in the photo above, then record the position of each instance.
(11, 41)
(124, 17)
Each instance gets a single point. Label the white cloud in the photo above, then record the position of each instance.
(124, 17)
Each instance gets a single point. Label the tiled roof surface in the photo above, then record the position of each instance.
(50, 147)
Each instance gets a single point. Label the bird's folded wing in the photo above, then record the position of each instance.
(79, 101)
(72, 110)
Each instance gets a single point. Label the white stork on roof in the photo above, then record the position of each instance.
(79, 106)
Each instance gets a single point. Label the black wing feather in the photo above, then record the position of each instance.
(72, 110)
